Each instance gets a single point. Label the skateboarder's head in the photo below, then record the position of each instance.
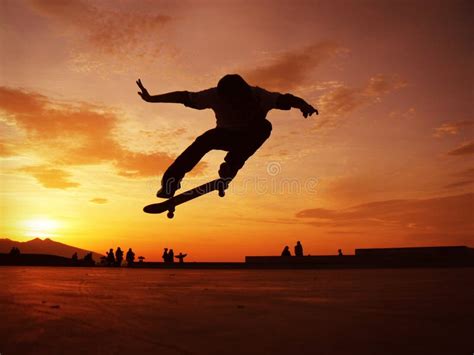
(234, 88)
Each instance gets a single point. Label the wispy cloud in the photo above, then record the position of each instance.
(99, 200)
(100, 34)
(164, 134)
(466, 173)
(289, 70)
(466, 178)
(403, 114)
(464, 149)
(50, 177)
(459, 184)
(453, 128)
(6, 150)
(344, 100)
(450, 214)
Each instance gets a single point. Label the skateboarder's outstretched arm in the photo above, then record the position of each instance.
(284, 101)
(288, 101)
(178, 97)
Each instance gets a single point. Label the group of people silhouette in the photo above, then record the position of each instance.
(298, 250)
(168, 256)
(87, 261)
(116, 259)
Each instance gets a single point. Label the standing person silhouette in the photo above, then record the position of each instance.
(286, 251)
(165, 255)
(298, 249)
(130, 257)
(241, 128)
(110, 257)
(171, 256)
(119, 256)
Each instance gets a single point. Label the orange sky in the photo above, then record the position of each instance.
(388, 162)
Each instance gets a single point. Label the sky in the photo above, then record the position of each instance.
(387, 163)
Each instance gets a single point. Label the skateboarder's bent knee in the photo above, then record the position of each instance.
(265, 129)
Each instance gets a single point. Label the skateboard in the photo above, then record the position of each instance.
(171, 203)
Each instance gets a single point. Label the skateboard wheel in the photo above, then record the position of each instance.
(221, 193)
(170, 214)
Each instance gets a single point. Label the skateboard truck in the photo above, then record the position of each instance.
(170, 213)
(221, 192)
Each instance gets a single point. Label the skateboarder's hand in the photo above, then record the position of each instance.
(144, 92)
(308, 110)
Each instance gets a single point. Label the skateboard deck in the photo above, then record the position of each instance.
(171, 203)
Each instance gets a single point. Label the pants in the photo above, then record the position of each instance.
(240, 145)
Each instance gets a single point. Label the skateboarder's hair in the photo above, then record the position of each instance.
(233, 85)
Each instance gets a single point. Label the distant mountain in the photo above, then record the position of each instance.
(46, 246)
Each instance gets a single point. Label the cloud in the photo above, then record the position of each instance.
(464, 149)
(99, 200)
(356, 187)
(459, 184)
(344, 100)
(467, 173)
(50, 177)
(6, 150)
(289, 70)
(162, 134)
(68, 134)
(404, 114)
(466, 178)
(380, 85)
(341, 101)
(71, 134)
(99, 33)
(450, 215)
(452, 128)
(141, 164)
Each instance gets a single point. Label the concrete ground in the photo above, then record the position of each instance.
(121, 311)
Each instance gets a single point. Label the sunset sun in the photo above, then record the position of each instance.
(41, 227)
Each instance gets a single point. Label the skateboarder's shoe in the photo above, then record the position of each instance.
(168, 188)
(227, 172)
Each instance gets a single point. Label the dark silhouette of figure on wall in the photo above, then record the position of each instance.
(286, 251)
(165, 255)
(171, 256)
(241, 124)
(110, 257)
(88, 260)
(74, 258)
(130, 257)
(15, 251)
(119, 256)
(181, 257)
(339, 252)
(298, 249)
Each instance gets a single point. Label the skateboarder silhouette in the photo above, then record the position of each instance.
(241, 128)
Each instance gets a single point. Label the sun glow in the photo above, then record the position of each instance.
(41, 227)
